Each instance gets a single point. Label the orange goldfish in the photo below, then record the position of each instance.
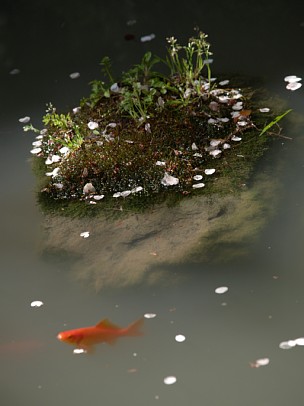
(85, 338)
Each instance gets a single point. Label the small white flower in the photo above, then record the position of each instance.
(169, 180)
(92, 125)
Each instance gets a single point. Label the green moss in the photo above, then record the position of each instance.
(127, 135)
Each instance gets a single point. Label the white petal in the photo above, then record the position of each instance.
(226, 146)
(292, 78)
(235, 138)
(24, 119)
(264, 110)
(220, 290)
(137, 189)
(125, 193)
(169, 180)
(58, 185)
(146, 38)
(299, 341)
(160, 163)
(242, 123)
(98, 197)
(79, 351)
(76, 110)
(56, 158)
(262, 362)
(198, 185)
(64, 150)
(215, 143)
(237, 106)
(36, 303)
(198, 177)
(215, 152)
(88, 188)
(92, 125)
(117, 194)
(209, 171)
(149, 315)
(35, 150)
(169, 380)
(37, 143)
(85, 234)
(180, 338)
(198, 155)
(114, 88)
(74, 75)
(194, 147)
(293, 85)
(224, 82)
(48, 161)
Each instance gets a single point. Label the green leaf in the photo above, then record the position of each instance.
(273, 122)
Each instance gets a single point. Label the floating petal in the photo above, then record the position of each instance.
(235, 138)
(85, 234)
(24, 120)
(79, 351)
(224, 82)
(146, 38)
(37, 303)
(169, 180)
(197, 177)
(180, 338)
(169, 380)
(137, 189)
(292, 79)
(220, 290)
(117, 194)
(226, 146)
(299, 341)
(264, 110)
(293, 86)
(149, 315)
(75, 75)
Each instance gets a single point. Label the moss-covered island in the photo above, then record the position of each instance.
(152, 134)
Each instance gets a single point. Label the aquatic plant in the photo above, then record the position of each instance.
(149, 134)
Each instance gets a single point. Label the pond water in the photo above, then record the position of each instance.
(226, 334)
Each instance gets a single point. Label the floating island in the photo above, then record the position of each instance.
(152, 135)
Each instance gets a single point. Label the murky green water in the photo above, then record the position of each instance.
(123, 276)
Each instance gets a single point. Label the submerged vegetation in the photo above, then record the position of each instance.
(148, 134)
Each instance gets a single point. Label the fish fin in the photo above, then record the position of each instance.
(134, 328)
(106, 323)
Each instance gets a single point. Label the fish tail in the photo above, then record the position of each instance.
(134, 328)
